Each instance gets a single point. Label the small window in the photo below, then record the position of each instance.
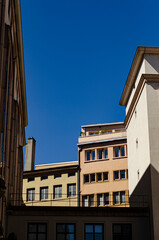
(43, 193)
(93, 155)
(122, 174)
(37, 231)
(122, 231)
(100, 199)
(99, 177)
(44, 177)
(88, 155)
(57, 175)
(100, 153)
(106, 198)
(31, 194)
(122, 197)
(65, 231)
(31, 179)
(94, 231)
(105, 153)
(116, 152)
(91, 200)
(71, 190)
(116, 175)
(57, 191)
(122, 151)
(105, 176)
(85, 201)
(92, 177)
(86, 178)
(71, 174)
(116, 198)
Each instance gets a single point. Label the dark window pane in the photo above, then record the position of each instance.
(100, 154)
(122, 174)
(88, 155)
(93, 155)
(98, 228)
(99, 177)
(70, 228)
(60, 236)
(116, 175)
(92, 177)
(98, 236)
(105, 176)
(32, 227)
(105, 153)
(41, 236)
(89, 228)
(116, 152)
(32, 236)
(41, 228)
(86, 178)
(61, 228)
(70, 236)
(89, 236)
(122, 151)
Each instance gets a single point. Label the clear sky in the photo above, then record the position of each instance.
(77, 57)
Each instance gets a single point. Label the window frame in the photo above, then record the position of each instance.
(121, 236)
(44, 188)
(36, 223)
(94, 224)
(69, 185)
(65, 232)
(32, 194)
(54, 186)
(119, 147)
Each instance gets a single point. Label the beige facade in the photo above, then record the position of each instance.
(103, 165)
(51, 185)
(141, 99)
(13, 110)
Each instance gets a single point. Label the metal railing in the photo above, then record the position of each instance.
(73, 200)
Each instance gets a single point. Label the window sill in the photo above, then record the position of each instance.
(96, 160)
(114, 158)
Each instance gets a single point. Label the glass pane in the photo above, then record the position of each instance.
(89, 228)
(117, 228)
(41, 227)
(105, 153)
(116, 152)
(85, 201)
(89, 236)
(91, 200)
(70, 228)
(100, 154)
(122, 197)
(122, 151)
(88, 156)
(116, 198)
(122, 174)
(32, 236)
(86, 178)
(93, 155)
(116, 175)
(32, 228)
(99, 177)
(106, 198)
(126, 229)
(70, 236)
(60, 236)
(100, 200)
(41, 236)
(98, 236)
(92, 177)
(60, 227)
(98, 228)
(105, 176)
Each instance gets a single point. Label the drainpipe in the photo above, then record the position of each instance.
(79, 167)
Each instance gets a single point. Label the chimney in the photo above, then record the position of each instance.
(30, 154)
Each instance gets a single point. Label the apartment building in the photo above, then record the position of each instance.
(13, 108)
(141, 99)
(103, 165)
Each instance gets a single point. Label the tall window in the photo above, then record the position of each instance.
(100, 199)
(106, 153)
(37, 231)
(91, 200)
(65, 231)
(86, 178)
(105, 176)
(99, 177)
(92, 177)
(85, 201)
(94, 232)
(100, 153)
(31, 194)
(116, 152)
(57, 191)
(71, 190)
(106, 198)
(122, 174)
(88, 155)
(116, 198)
(116, 175)
(93, 155)
(122, 197)
(122, 231)
(43, 193)
(119, 151)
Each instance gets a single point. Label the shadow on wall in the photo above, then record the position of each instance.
(12, 236)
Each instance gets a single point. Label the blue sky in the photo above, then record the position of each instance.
(77, 57)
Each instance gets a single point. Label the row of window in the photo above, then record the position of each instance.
(103, 153)
(57, 175)
(103, 199)
(92, 231)
(57, 192)
(104, 176)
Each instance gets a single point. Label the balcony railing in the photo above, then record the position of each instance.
(73, 201)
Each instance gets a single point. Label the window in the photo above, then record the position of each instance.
(92, 177)
(88, 155)
(30, 179)
(119, 151)
(86, 178)
(106, 198)
(122, 174)
(105, 153)
(94, 232)
(71, 190)
(44, 178)
(116, 175)
(100, 153)
(37, 231)
(100, 199)
(122, 197)
(57, 191)
(122, 231)
(31, 194)
(43, 193)
(85, 201)
(91, 200)
(71, 174)
(116, 198)
(57, 175)
(93, 155)
(65, 231)
(99, 177)
(105, 176)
